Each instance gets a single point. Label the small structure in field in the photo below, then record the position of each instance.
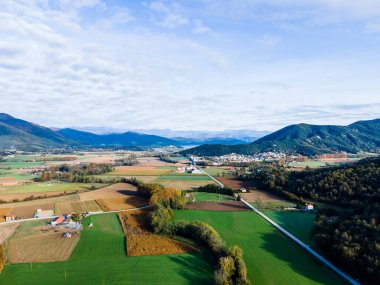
(243, 190)
(308, 207)
(10, 218)
(43, 213)
(67, 235)
(58, 221)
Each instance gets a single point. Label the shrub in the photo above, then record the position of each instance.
(3, 257)
(159, 218)
(212, 188)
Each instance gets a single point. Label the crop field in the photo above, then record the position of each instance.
(190, 177)
(5, 212)
(138, 171)
(76, 207)
(8, 165)
(298, 223)
(183, 184)
(7, 230)
(36, 242)
(266, 201)
(51, 187)
(210, 197)
(140, 241)
(113, 204)
(227, 206)
(270, 257)
(118, 190)
(235, 184)
(312, 164)
(218, 171)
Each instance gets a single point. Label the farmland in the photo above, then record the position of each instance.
(76, 207)
(210, 197)
(270, 257)
(140, 241)
(298, 223)
(100, 256)
(35, 242)
(51, 187)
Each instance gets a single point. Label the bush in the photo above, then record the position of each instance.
(3, 257)
(159, 218)
(212, 188)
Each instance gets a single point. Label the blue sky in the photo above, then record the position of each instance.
(190, 65)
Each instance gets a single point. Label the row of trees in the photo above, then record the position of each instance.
(212, 188)
(128, 161)
(350, 237)
(231, 268)
(75, 173)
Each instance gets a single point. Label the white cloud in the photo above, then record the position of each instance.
(165, 16)
(269, 40)
(200, 28)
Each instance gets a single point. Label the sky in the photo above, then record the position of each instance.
(190, 64)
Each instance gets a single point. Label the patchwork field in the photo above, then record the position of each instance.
(7, 231)
(270, 257)
(235, 184)
(118, 190)
(218, 171)
(113, 204)
(138, 171)
(76, 207)
(264, 200)
(228, 206)
(184, 184)
(5, 212)
(36, 242)
(140, 241)
(52, 187)
(182, 177)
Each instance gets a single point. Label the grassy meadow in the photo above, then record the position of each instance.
(270, 257)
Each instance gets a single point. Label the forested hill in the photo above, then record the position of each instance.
(306, 140)
(124, 139)
(28, 136)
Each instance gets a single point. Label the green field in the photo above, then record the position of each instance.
(312, 164)
(211, 197)
(216, 171)
(298, 223)
(51, 187)
(105, 239)
(19, 165)
(166, 167)
(270, 257)
(99, 258)
(190, 177)
(272, 205)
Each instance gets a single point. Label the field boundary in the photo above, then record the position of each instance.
(303, 245)
(217, 182)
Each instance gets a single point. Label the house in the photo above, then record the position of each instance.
(10, 218)
(58, 221)
(243, 190)
(308, 207)
(67, 235)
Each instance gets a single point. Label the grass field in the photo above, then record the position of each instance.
(298, 223)
(211, 197)
(214, 171)
(312, 164)
(105, 239)
(185, 177)
(76, 207)
(99, 258)
(270, 257)
(19, 164)
(51, 187)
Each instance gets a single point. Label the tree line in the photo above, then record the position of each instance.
(230, 267)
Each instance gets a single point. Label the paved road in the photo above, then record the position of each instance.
(213, 178)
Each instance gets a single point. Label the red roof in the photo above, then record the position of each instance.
(59, 220)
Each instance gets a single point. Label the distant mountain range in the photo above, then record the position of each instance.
(302, 138)
(305, 139)
(27, 136)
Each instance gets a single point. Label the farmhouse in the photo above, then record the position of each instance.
(9, 218)
(58, 221)
(308, 207)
